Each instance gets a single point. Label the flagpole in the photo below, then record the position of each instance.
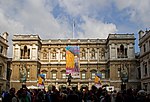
(73, 25)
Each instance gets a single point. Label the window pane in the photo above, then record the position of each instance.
(28, 74)
(103, 75)
(83, 75)
(54, 75)
(64, 75)
(92, 75)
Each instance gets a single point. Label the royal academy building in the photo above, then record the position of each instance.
(3, 61)
(113, 57)
(144, 44)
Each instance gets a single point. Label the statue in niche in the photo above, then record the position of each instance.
(54, 54)
(23, 73)
(83, 53)
(102, 54)
(44, 54)
(93, 53)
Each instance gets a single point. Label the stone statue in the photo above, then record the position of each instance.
(23, 73)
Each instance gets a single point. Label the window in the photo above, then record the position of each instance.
(149, 44)
(145, 69)
(28, 73)
(118, 73)
(44, 72)
(145, 86)
(25, 52)
(139, 73)
(1, 49)
(103, 75)
(1, 70)
(63, 75)
(93, 75)
(126, 56)
(53, 75)
(144, 47)
(83, 75)
(122, 52)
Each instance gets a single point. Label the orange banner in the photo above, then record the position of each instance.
(69, 60)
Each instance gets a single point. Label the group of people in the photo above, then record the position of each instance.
(72, 94)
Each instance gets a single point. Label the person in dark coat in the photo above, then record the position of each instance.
(72, 97)
(69, 79)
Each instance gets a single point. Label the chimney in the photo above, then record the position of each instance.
(141, 33)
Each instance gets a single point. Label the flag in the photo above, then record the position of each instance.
(41, 79)
(97, 78)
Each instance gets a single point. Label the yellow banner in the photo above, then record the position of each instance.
(97, 80)
(40, 81)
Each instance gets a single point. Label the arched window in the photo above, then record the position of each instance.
(63, 74)
(25, 52)
(83, 75)
(1, 70)
(54, 74)
(122, 52)
(93, 72)
(44, 72)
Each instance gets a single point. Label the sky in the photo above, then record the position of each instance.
(52, 19)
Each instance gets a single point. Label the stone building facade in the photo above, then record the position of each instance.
(3, 61)
(144, 44)
(110, 57)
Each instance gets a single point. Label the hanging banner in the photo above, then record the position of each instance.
(72, 61)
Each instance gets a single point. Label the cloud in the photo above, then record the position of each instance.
(84, 7)
(53, 18)
(137, 10)
(88, 11)
(93, 28)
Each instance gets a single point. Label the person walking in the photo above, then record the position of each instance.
(69, 79)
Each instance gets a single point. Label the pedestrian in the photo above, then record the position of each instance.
(69, 79)
(10, 97)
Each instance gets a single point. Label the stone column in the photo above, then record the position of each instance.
(88, 54)
(79, 86)
(57, 85)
